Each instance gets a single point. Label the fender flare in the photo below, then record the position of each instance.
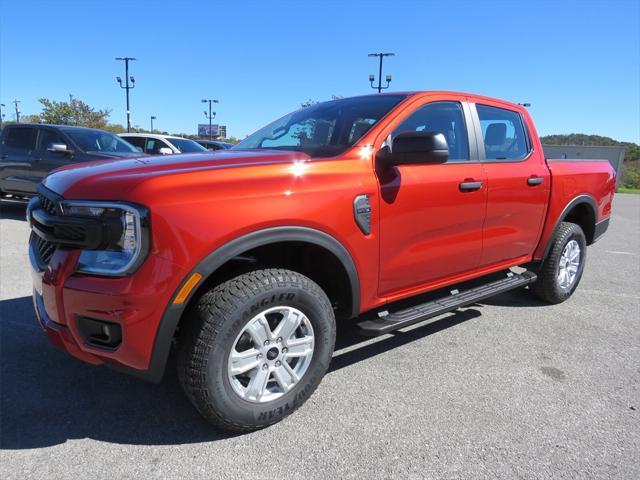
(207, 266)
(580, 199)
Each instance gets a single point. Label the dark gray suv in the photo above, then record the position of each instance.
(29, 152)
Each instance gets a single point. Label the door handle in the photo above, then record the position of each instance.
(533, 181)
(470, 186)
(4, 156)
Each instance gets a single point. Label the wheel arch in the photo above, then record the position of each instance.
(582, 211)
(220, 257)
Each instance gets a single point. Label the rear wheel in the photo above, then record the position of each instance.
(255, 348)
(562, 270)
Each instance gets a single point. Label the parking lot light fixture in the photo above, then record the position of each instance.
(129, 83)
(211, 115)
(372, 77)
(152, 119)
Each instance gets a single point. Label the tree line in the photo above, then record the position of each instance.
(76, 112)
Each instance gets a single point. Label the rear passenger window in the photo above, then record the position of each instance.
(442, 117)
(23, 138)
(503, 133)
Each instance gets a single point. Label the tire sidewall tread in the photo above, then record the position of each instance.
(546, 287)
(217, 319)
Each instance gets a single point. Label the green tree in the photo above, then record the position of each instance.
(74, 112)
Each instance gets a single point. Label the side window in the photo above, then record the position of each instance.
(136, 142)
(23, 138)
(46, 137)
(442, 117)
(503, 133)
(154, 145)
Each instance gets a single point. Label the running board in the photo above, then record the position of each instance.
(455, 299)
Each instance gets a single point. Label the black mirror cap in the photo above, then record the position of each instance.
(419, 147)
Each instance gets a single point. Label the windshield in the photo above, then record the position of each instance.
(98, 141)
(325, 129)
(186, 146)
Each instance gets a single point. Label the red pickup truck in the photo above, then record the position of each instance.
(385, 210)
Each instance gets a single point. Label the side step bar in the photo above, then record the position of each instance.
(446, 303)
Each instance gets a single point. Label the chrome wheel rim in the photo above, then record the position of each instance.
(569, 264)
(271, 354)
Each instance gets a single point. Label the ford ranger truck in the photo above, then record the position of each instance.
(386, 210)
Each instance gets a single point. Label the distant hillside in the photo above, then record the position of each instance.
(633, 149)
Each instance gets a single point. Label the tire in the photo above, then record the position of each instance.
(230, 314)
(550, 285)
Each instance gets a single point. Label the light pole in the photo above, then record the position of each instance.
(152, 119)
(16, 102)
(372, 77)
(211, 115)
(1, 114)
(127, 87)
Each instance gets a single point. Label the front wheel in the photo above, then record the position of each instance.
(255, 348)
(561, 271)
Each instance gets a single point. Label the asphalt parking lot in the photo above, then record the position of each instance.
(510, 388)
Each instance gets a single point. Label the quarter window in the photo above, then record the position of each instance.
(503, 133)
(442, 117)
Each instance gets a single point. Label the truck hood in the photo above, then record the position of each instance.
(109, 178)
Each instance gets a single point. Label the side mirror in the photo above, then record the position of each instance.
(138, 149)
(58, 148)
(165, 151)
(410, 148)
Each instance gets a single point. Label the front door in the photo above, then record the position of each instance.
(44, 161)
(431, 215)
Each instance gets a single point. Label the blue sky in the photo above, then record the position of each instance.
(578, 63)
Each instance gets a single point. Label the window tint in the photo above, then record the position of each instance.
(47, 137)
(442, 117)
(503, 133)
(23, 138)
(154, 145)
(184, 145)
(98, 141)
(136, 142)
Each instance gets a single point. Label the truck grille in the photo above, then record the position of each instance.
(44, 249)
(48, 205)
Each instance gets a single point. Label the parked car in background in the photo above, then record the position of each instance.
(153, 144)
(28, 152)
(215, 144)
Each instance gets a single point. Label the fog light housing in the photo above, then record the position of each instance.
(100, 333)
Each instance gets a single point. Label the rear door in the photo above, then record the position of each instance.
(431, 215)
(518, 183)
(16, 172)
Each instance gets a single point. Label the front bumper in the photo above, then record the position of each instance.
(136, 303)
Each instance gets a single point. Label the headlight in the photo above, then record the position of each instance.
(126, 238)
